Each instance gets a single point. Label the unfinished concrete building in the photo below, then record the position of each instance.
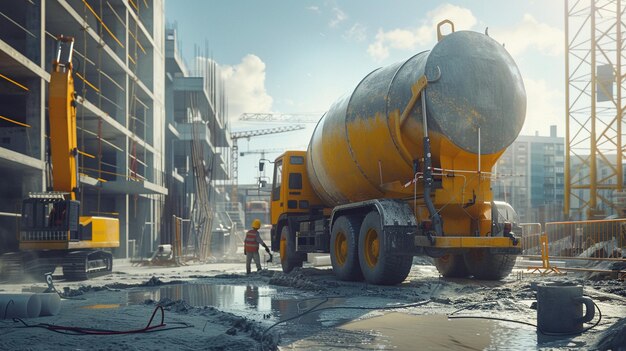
(197, 139)
(141, 114)
(118, 63)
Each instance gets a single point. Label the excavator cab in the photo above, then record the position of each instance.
(49, 216)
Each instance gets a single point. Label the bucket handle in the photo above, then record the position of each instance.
(440, 24)
(590, 309)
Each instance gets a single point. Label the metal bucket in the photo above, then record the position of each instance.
(560, 308)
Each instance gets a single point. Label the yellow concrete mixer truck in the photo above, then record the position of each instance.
(402, 166)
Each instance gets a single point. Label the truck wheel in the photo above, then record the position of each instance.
(288, 257)
(487, 266)
(378, 263)
(344, 252)
(451, 266)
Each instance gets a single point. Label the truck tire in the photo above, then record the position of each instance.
(344, 249)
(452, 266)
(288, 256)
(379, 264)
(487, 266)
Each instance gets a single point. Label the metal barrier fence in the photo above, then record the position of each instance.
(587, 240)
(530, 229)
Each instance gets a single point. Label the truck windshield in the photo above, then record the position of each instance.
(278, 171)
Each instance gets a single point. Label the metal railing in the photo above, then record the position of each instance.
(584, 240)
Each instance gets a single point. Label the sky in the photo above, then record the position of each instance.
(287, 56)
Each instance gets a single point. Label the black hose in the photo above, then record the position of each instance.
(67, 330)
(6, 308)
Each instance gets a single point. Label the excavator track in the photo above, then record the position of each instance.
(83, 265)
(11, 267)
(22, 266)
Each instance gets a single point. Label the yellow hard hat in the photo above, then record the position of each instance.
(256, 224)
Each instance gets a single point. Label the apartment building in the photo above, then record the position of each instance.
(530, 176)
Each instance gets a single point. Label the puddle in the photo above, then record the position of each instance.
(437, 332)
(324, 318)
(232, 298)
(252, 301)
(402, 331)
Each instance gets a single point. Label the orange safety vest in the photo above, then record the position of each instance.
(250, 244)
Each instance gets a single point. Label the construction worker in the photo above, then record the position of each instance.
(251, 246)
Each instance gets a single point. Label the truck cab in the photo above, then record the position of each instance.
(291, 196)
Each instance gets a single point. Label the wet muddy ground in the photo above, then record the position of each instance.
(218, 307)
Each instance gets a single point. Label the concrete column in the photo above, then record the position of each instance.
(34, 45)
(122, 200)
(35, 117)
(121, 96)
(138, 230)
(121, 206)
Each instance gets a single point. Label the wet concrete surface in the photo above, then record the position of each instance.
(269, 297)
(343, 322)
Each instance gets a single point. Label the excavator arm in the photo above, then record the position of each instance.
(62, 112)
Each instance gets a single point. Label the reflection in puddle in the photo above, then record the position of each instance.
(224, 297)
(250, 300)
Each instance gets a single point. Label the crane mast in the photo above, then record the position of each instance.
(247, 134)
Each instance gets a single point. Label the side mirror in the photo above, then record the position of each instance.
(261, 166)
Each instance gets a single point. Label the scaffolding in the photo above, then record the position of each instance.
(594, 92)
(118, 100)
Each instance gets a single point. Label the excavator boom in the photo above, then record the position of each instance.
(62, 112)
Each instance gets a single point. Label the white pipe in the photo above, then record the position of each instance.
(19, 306)
(50, 304)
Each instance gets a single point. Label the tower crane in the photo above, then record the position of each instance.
(282, 117)
(247, 134)
(262, 152)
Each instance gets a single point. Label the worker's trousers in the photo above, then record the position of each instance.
(257, 260)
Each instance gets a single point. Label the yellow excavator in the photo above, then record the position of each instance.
(52, 232)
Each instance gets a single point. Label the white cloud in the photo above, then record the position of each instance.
(378, 50)
(245, 87)
(313, 8)
(460, 16)
(544, 108)
(532, 34)
(357, 32)
(338, 17)
(411, 38)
